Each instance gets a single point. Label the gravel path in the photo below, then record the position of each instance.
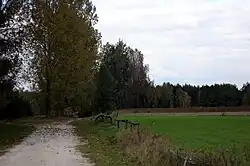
(49, 145)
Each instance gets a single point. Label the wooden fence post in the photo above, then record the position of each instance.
(111, 120)
(138, 127)
(126, 125)
(118, 124)
(138, 132)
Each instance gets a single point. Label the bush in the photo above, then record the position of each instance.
(17, 108)
(148, 149)
(84, 114)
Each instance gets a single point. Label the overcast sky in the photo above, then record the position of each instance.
(184, 41)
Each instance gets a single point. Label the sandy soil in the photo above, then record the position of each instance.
(50, 145)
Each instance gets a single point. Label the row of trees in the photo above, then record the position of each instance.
(59, 50)
(123, 82)
(206, 96)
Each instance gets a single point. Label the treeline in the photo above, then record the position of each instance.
(123, 82)
(218, 95)
(55, 46)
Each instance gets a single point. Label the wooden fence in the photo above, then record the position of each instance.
(126, 123)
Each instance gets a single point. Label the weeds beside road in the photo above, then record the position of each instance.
(102, 146)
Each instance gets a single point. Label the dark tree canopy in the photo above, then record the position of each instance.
(11, 104)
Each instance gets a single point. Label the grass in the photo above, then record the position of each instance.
(199, 131)
(12, 134)
(103, 147)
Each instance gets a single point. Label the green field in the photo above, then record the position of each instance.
(199, 131)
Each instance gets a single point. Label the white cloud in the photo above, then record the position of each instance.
(193, 41)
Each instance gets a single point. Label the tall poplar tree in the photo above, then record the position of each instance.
(65, 45)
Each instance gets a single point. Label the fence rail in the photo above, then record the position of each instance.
(117, 122)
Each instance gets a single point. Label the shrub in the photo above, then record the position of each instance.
(16, 108)
(84, 114)
(148, 149)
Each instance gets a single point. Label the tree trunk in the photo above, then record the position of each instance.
(48, 95)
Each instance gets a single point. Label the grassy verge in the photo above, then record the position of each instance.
(103, 147)
(12, 134)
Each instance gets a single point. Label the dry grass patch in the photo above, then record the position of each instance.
(149, 149)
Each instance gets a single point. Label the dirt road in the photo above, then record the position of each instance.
(49, 145)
